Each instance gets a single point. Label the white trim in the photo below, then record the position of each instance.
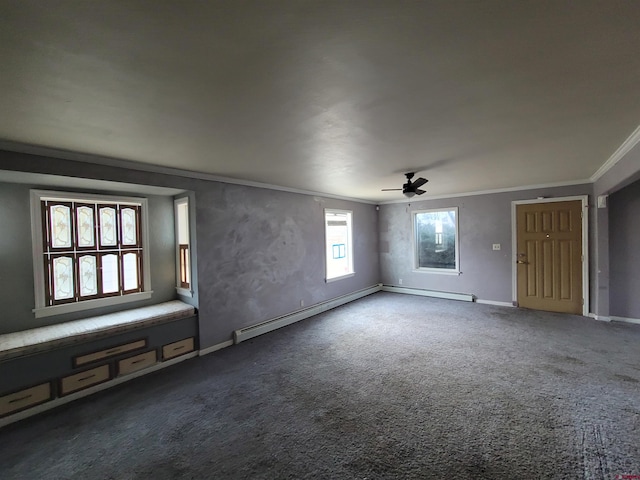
(183, 292)
(56, 402)
(618, 155)
(267, 326)
(40, 310)
(489, 192)
(215, 348)
(601, 318)
(493, 302)
(465, 297)
(177, 202)
(440, 271)
(90, 304)
(584, 199)
(625, 319)
(148, 167)
(341, 277)
(437, 271)
(349, 246)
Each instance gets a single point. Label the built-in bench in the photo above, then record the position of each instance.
(54, 336)
(46, 366)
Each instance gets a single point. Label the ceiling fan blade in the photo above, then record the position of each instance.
(420, 192)
(389, 189)
(419, 182)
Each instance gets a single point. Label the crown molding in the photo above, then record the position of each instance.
(151, 168)
(16, 147)
(489, 192)
(618, 155)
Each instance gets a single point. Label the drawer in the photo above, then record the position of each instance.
(108, 352)
(84, 379)
(24, 398)
(177, 348)
(132, 364)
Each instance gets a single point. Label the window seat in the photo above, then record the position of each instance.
(40, 339)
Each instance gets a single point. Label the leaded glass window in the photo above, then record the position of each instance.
(91, 250)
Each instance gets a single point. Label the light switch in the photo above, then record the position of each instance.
(496, 246)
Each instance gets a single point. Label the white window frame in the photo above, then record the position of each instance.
(440, 271)
(349, 247)
(177, 203)
(41, 309)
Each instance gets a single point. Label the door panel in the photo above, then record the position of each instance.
(549, 256)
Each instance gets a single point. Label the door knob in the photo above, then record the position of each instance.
(522, 262)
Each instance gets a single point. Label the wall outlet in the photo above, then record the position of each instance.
(399, 281)
(302, 303)
(496, 246)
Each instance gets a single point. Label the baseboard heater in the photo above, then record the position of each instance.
(465, 297)
(279, 322)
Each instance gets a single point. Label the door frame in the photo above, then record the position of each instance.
(585, 244)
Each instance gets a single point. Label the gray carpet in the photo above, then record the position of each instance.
(390, 386)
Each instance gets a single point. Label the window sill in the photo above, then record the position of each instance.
(335, 279)
(184, 292)
(437, 271)
(90, 304)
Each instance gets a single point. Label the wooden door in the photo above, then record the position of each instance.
(549, 256)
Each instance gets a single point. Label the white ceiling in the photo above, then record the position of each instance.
(337, 96)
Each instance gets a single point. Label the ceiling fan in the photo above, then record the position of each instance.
(410, 188)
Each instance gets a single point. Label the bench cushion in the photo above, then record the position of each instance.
(53, 336)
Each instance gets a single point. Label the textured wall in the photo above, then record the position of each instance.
(623, 173)
(16, 263)
(483, 221)
(259, 252)
(624, 257)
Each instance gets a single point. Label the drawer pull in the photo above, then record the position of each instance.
(87, 377)
(112, 351)
(137, 361)
(175, 349)
(20, 399)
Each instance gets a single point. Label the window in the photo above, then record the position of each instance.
(436, 240)
(183, 253)
(89, 251)
(338, 240)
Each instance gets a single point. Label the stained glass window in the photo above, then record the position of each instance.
(110, 280)
(60, 217)
(85, 226)
(91, 250)
(130, 270)
(63, 278)
(128, 226)
(108, 232)
(88, 276)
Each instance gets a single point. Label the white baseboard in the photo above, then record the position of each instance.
(215, 348)
(465, 297)
(625, 319)
(602, 318)
(493, 302)
(279, 322)
(56, 402)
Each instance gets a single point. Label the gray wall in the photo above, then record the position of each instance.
(16, 262)
(259, 252)
(623, 173)
(483, 221)
(262, 252)
(624, 258)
